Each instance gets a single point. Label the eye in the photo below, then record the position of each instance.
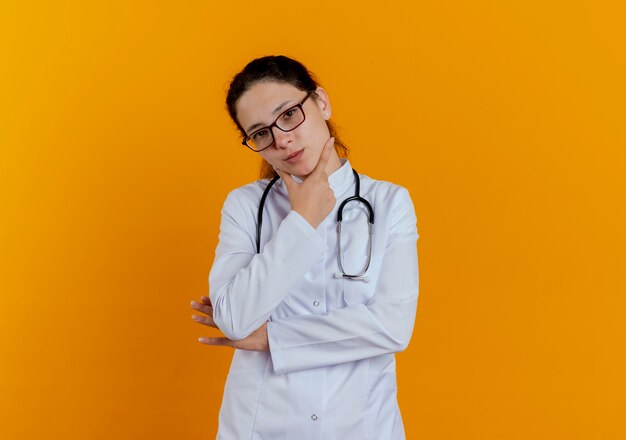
(259, 134)
(289, 113)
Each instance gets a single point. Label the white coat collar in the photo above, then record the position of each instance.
(341, 179)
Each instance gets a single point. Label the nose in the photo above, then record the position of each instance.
(282, 139)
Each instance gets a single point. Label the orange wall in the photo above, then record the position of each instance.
(504, 119)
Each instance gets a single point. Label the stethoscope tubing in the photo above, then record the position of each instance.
(259, 222)
(356, 197)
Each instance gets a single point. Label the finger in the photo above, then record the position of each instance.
(202, 308)
(289, 182)
(205, 320)
(320, 168)
(224, 342)
(206, 300)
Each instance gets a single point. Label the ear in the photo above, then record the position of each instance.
(323, 102)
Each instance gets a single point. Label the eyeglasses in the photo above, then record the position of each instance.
(288, 120)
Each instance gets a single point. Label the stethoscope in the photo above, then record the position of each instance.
(356, 197)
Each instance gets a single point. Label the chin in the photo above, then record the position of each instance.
(303, 170)
(304, 166)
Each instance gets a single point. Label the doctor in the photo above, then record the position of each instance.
(314, 349)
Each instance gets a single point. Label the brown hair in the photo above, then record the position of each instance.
(279, 69)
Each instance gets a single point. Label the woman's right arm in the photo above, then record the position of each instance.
(246, 287)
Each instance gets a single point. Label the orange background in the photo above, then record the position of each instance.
(504, 119)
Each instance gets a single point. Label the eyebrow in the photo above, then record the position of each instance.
(276, 110)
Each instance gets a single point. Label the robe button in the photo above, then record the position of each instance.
(314, 417)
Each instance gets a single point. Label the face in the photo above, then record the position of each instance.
(297, 151)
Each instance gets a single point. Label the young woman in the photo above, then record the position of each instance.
(315, 311)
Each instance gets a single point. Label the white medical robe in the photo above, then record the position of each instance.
(330, 373)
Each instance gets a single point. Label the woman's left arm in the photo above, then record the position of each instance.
(383, 325)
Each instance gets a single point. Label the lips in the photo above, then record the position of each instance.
(294, 155)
